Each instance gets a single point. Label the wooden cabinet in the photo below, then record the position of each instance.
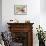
(22, 33)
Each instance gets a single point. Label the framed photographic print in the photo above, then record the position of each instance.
(20, 9)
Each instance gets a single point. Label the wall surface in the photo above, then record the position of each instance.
(43, 6)
(43, 14)
(0, 15)
(33, 14)
(33, 11)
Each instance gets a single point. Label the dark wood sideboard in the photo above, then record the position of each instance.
(22, 33)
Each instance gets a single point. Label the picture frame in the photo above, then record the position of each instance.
(20, 9)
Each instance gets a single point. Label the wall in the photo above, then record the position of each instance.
(34, 14)
(0, 15)
(43, 6)
(33, 11)
(43, 14)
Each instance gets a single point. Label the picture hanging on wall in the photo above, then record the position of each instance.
(20, 9)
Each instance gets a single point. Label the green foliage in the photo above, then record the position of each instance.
(40, 33)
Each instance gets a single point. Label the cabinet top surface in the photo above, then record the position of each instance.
(19, 23)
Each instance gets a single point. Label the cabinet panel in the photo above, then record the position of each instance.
(22, 33)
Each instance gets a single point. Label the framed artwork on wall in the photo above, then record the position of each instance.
(20, 9)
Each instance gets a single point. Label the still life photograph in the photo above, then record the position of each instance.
(20, 9)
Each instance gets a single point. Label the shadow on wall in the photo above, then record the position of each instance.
(43, 6)
(0, 15)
